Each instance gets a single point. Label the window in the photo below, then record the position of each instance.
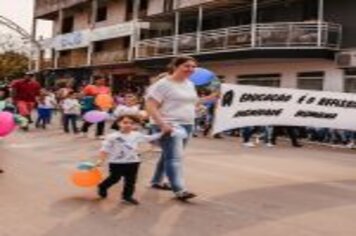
(143, 5)
(221, 78)
(65, 53)
(101, 14)
(265, 80)
(129, 10)
(311, 80)
(99, 46)
(310, 10)
(168, 5)
(68, 25)
(350, 81)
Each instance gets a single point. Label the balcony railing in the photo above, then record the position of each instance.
(290, 35)
(46, 64)
(111, 57)
(72, 61)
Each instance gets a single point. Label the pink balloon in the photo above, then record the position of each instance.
(7, 123)
(95, 116)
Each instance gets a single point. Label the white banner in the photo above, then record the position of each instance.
(79, 39)
(113, 31)
(242, 106)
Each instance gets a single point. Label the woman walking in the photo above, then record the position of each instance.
(171, 103)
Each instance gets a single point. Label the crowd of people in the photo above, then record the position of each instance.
(171, 111)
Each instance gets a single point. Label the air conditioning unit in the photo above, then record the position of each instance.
(346, 59)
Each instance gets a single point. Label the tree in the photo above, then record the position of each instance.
(12, 64)
(13, 56)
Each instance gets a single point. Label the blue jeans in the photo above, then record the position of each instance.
(170, 163)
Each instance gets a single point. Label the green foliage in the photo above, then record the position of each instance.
(12, 64)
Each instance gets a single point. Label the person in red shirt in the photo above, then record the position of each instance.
(25, 92)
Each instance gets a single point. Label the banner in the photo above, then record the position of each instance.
(243, 106)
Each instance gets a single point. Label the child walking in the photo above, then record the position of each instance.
(121, 150)
(71, 111)
(44, 107)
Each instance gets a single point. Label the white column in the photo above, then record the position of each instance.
(90, 50)
(254, 14)
(134, 33)
(176, 32)
(199, 27)
(58, 32)
(33, 47)
(94, 12)
(320, 21)
(56, 58)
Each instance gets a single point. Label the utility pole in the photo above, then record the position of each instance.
(27, 36)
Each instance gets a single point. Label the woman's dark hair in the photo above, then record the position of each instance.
(6, 92)
(70, 93)
(97, 77)
(179, 61)
(134, 118)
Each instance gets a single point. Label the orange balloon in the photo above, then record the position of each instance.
(87, 178)
(90, 90)
(104, 101)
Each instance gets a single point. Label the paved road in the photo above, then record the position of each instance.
(245, 192)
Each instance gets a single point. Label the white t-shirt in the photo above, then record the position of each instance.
(125, 110)
(177, 99)
(122, 148)
(71, 106)
(47, 103)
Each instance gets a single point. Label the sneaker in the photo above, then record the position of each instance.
(249, 145)
(184, 196)
(164, 187)
(297, 145)
(131, 201)
(350, 145)
(101, 137)
(102, 193)
(269, 145)
(83, 135)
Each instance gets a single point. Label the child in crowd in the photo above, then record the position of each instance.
(5, 101)
(5, 105)
(71, 111)
(44, 107)
(130, 106)
(121, 150)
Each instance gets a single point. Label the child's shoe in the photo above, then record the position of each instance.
(131, 201)
(102, 193)
(185, 196)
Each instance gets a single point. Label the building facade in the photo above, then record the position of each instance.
(279, 43)
(90, 37)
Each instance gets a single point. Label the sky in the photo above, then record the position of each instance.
(21, 12)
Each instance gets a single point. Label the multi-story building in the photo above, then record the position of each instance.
(286, 43)
(91, 36)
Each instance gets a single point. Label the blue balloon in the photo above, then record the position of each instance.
(202, 76)
(86, 165)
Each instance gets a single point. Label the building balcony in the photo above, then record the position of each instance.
(112, 57)
(81, 39)
(190, 3)
(72, 61)
(45, 7)
(46, 64)
(286, 35)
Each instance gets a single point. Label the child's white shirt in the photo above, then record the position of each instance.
(126, 110)
(123, 148)
(71, 106)
(47, 103)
